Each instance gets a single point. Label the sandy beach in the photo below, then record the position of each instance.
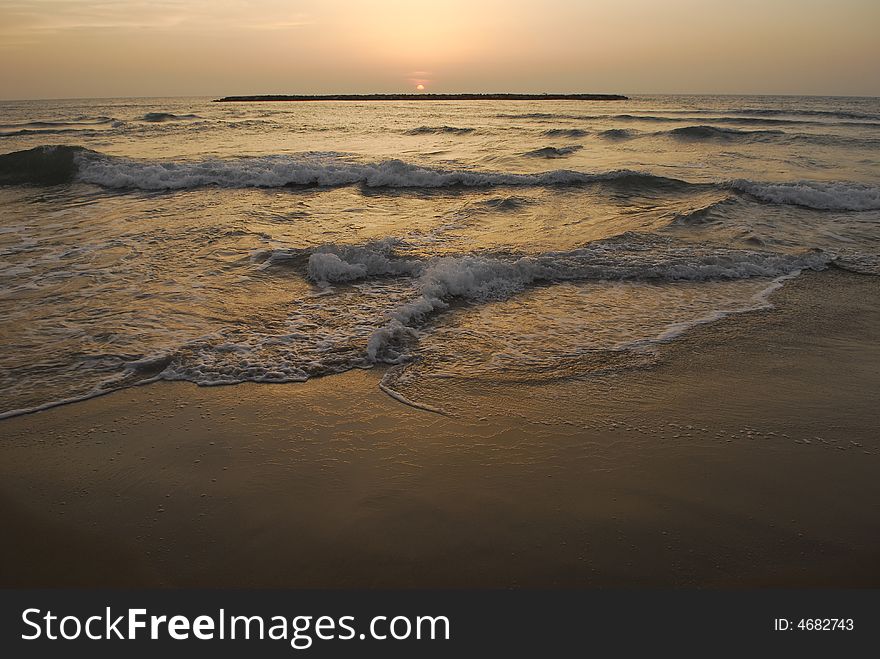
(743, 455)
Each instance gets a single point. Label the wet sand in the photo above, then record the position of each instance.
(745, 455)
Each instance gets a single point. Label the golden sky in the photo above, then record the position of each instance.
(100, 48)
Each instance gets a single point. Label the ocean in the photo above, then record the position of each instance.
(448, 242)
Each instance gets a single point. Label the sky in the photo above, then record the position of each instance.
(112, 48)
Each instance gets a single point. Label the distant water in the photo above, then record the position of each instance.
(181, 239)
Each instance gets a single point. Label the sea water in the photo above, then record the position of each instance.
(218, 243)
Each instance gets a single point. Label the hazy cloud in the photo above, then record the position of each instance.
(56, 48)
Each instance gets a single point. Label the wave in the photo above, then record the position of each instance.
(818, 195)
(158, 117)
(81, 124)
(702, 214)
(44, 165)
(778, 112)
(838, 141)
(504, 203)
(757, 121)
(317, 169)
(281, 171)
(741, 117)
(717, 134)
(344, 263)
(739, 120)
(705, 117)
(723, 134)
(588, 117)
(864, 264)
(47, 131)
(388, 331)
(748, 121)
(566, 132)
(439, 130)
(537, 115)
(49, 165)
(553, 151)
(76, 121)
(640, 117)
(630, 257)
(618, 134)
(841, 114)
(479, 278)
(626, 257)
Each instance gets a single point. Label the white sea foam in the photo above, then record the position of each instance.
(328, 267)
(478, 278)
(840, 196)
(331, 170)
(279, 171)
(338, 263)
(175, 296)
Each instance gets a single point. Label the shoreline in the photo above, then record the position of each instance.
(758, 303)
(743, 455)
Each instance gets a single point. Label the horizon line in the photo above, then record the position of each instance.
(628, 96)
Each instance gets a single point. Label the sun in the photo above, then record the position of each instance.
(420, 87)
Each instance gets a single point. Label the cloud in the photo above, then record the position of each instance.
(27, 22)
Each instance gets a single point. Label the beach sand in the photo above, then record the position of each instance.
(745, 455)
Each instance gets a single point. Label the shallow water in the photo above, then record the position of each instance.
(273, 242)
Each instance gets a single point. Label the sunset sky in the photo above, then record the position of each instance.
(99, 48)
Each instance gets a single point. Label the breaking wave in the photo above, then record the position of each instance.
(47, 165)
(58, 164)
(322, 339)
(480, 278)
(831, 196)
(281, 171)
